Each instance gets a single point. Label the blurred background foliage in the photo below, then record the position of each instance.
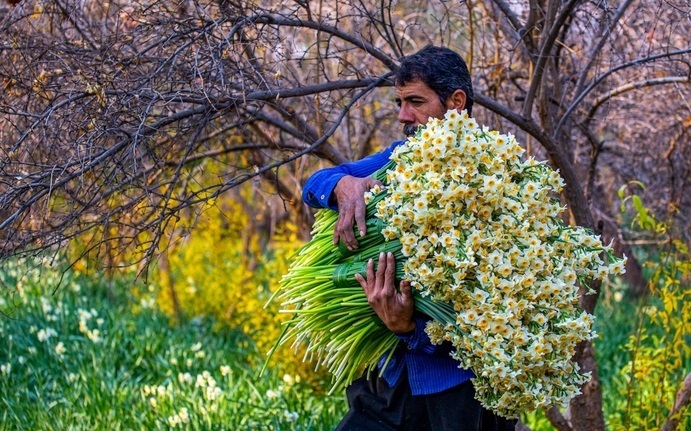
(224, 261)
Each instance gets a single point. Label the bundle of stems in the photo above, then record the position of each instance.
(330, 313)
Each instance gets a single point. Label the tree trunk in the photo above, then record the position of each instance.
(586, 409)
(168, 274)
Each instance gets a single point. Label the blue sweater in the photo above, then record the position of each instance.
(430, 368)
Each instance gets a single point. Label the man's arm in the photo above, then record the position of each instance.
(318, 189)
(342, 188)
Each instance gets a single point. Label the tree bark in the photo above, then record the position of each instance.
(681, 401)
(586, 409)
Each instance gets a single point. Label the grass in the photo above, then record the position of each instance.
(83, 359)
(89, 357)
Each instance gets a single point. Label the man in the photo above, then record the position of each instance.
(422, 387)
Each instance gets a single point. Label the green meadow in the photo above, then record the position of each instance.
(90, 356)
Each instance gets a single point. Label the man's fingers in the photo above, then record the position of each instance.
(371, 281)
(384, 282)
(382, 265)
(350, 193)
(406, 290)
(373, 182)
(360, 219)
(343, 231)
(363, 283)
(367, 283)
(361, 207)
(390, 274)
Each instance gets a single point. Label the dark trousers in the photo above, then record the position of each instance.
(374, 406)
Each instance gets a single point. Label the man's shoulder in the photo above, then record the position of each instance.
(395, 144)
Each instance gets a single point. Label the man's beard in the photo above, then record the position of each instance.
(409, 130)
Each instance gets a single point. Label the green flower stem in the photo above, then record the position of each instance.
(372, 238)
(374, 251)
(344, 274)
(442, 312)
(380, 174)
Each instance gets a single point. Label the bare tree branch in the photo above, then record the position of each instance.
(603, 36)
(634, 86)
(547, 44)
(510, 16)
(282, 21)
(579, 98)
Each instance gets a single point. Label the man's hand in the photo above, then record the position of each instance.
(394, 308)
(350, 197)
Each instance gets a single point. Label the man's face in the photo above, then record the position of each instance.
(417, 102)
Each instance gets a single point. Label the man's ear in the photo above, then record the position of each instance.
(456, 100)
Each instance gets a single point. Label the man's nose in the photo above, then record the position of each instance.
(405, 116)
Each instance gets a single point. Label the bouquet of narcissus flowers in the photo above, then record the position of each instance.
(476, 229)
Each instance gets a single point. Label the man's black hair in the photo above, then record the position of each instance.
(441, 69)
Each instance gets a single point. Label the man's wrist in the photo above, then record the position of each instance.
(406, 331)
(334, 194)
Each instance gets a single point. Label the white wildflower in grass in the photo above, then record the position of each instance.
(162, 391)
(184, 415)
(185, 378)
(45, 305)
(146, 391)
(60, 349)
(477, 230)
(288, 379)
(94, 335)
(291, 416)
(618, 296)
(85, 316)
(6, 369)
(225, 370)
(208, 385)
(173, 420)
(45, 334)
(212, 393)
(147, 302)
